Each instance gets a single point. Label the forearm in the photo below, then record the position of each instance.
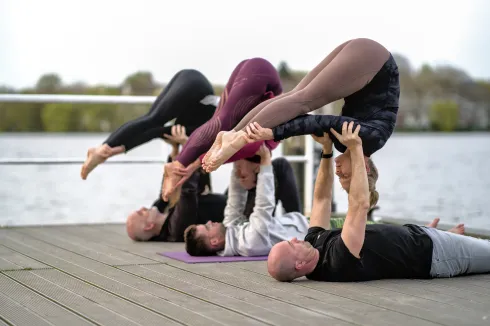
(359, 189)
(261, 216)
(322, 195)
(235, 203)
(324, 181)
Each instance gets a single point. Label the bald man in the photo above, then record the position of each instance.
(361, 252)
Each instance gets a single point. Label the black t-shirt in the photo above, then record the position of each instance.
(389, 251)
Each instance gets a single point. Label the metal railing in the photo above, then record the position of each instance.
(306, 159)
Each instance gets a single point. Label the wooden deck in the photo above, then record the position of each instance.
(94, 275)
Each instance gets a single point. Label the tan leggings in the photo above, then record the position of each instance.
(347, 69)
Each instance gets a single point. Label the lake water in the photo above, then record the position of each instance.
(422, 176)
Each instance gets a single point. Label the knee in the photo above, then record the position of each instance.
(305, 98)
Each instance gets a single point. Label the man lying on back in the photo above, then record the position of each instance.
(360, 252)
(240, 235)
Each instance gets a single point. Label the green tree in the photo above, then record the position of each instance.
(49, 84)
(59, 117)
(140, 83)
(444, 115)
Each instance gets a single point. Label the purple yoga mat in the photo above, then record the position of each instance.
(185, 257)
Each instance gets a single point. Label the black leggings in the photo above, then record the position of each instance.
(180, 99)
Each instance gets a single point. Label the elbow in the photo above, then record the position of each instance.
(359, 204)
(364, 204)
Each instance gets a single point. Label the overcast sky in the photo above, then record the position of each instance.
(102, 41)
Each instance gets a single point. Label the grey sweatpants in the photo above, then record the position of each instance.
(455, 254)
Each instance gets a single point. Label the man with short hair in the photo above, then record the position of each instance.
(239, 235)
(360, 252)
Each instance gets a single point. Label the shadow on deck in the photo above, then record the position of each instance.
(95, 275)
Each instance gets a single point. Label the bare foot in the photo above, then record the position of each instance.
(458, 229)
(95, 156)
(434, 223)
(213, 150)
(232, 142)
(170, 178)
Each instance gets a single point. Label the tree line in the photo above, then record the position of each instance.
(433, 98)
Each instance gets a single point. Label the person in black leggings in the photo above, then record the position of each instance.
(188, 98)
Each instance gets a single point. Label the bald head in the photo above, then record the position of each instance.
(291, 259)
(281, 262)
(139, 227)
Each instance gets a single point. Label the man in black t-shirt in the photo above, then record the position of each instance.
(360, 252)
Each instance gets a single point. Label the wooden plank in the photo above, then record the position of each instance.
(119, 229)
(467, 295)
(245, 302)
(480, 281)
(460, 284)
(173, 304)
(334, 306)
(86, 248)
(16, 314)
(87, 299)
(22, 306)
(145, 249)
(405, 304)
(70, 300)
(462, 298)
(11, 260)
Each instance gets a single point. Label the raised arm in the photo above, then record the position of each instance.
(255, 240)
(322, 195)
(235, 204)
(354, 229)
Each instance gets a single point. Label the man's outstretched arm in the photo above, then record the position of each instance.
(322, 195)
(354, 229)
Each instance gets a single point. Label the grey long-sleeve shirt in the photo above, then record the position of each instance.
(256, 236)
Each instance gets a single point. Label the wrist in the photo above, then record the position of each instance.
(326, 154)
(327, 148)
(357, 149)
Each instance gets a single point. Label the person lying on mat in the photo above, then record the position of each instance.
(239, 236)
(360, 252)
(166, 221)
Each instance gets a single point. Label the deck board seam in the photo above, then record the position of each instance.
(53, 301)
(110, 292)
